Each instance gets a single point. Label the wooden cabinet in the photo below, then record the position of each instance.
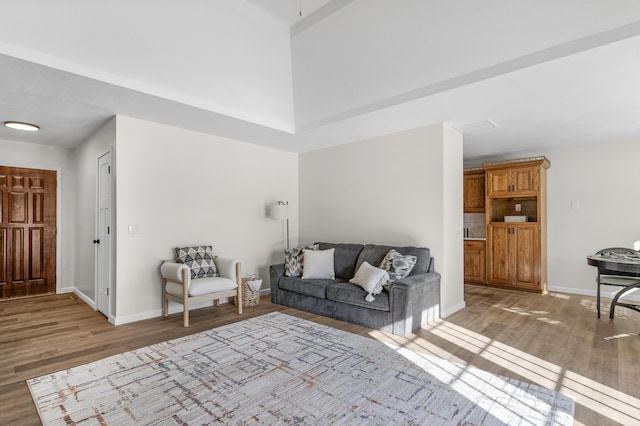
(514, 250)
(474, 197)
(517, 251)
(474, 261)
(513, 181)
(474, 191)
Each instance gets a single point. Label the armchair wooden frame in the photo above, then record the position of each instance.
(187, 300)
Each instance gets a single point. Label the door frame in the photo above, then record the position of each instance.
(99, 155)
(58, 170)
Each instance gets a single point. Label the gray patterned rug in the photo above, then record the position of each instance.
(278, 369)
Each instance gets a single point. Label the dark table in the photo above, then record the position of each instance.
(615, 265)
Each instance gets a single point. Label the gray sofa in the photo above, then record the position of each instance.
(410, 302)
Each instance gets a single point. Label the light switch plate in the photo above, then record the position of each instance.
(134, 228)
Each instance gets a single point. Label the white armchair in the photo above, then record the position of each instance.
(177, 285)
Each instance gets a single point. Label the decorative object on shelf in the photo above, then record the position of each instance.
(250, 291)
(280, 211)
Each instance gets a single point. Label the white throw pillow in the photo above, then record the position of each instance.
(371, 279)
(318, 264)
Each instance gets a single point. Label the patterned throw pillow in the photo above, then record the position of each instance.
(199, 260)
(294, 259)
(398, 265)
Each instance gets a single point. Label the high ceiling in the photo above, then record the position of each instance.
(301, 75)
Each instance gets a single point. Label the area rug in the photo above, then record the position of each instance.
(278, 369)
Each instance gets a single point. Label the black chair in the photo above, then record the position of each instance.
(630, 281)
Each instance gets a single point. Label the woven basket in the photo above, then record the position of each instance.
(249, 297)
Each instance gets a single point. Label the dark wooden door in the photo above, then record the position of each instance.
(27, 232)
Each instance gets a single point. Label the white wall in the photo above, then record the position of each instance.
(452, 221)
(400, 189)
(18, 154)
(182, 188)
(86, 160)
(604, 180)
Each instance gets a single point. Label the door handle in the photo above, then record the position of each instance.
(96, 241)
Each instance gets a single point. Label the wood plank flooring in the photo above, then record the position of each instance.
(554, 341)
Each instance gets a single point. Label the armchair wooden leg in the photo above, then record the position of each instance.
(186, 277)
(165, 301)
(239, 282)
(185, 314)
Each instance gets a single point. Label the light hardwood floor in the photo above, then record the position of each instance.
(554, 341)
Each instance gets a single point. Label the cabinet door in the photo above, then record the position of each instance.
(525, 252)
(474, 261)
(474, 193)
(498, 258)
(514, 181)
(525, 180)
(498, 182)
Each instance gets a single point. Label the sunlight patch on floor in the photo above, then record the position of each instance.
(481, 388)
(515, 310)
(539, 371)
(549, 321)
(602, 399)
(620, 336)
(559, 296)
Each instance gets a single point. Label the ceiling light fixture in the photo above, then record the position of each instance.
(27, 127)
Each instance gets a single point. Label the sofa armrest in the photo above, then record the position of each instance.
(228, 267)
(275, 273)
(415, 301)
(417, 280)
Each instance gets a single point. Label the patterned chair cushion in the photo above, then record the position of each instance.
(199, 259)
(294, 260)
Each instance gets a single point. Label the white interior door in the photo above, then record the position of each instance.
(103, 240)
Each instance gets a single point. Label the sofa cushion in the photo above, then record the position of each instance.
(203, 286)
(374, 253)
(345, 258)
(311, 287)
(352, 294)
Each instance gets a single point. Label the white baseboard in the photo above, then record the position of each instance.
(173, 308)
(80, 294)
(603, 293)
(452, 310)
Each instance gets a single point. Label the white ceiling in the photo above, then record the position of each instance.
(549, 74)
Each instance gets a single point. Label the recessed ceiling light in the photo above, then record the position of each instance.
(27, 127)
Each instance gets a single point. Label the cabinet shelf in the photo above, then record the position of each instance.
(501, 207)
